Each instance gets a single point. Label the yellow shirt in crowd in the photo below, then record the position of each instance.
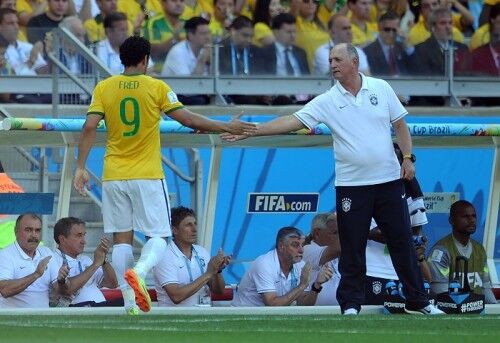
(132, 115)
(309, 37)
(480, 37)
(419, 33)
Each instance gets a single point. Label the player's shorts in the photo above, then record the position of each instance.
(139, 205)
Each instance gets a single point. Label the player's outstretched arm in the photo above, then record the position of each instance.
(199, 122)
(276, 126)
(87, 139)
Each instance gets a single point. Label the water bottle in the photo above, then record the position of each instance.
(400, 290)
(391, 288)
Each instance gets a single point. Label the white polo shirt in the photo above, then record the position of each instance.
(312, 254)
(16, 264)
(111, 58)
(265, 276)
(90, 291)
(18, 55)
(175, 268)
(181, 60)
(361, 130)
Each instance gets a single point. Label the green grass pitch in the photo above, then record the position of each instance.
(255, 328)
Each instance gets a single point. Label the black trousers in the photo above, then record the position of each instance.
(385, 202)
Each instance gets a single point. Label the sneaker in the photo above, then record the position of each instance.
(132, 311)
(351, 312)
(142, 298)
(429, 309)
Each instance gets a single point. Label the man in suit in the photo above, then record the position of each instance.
(239, 57)
(430, 56)
(387, 55)
(284, 58)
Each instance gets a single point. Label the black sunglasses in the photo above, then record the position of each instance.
(389, 29)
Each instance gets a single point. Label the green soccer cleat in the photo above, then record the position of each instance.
(133, 311)
(142, 298)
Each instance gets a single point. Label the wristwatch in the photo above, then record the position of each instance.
(317, 290)
(411, 157)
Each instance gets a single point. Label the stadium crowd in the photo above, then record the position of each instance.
(256, 37)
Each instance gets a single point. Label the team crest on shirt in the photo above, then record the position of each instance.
(374, 100)
(346, 204)
(172, 97)
(376, 287)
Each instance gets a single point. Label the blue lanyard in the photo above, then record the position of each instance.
(65, 261)
(234, 59)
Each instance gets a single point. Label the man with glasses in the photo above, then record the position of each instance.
(280, 277)
(421, 30)
(388, 55)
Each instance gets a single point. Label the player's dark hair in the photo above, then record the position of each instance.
(179, 213)
(282, 19)
(192, 24)
(64, 225)
(458, 205)
(133, 50)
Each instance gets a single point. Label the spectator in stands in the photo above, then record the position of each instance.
(5, 68)
(421, 31)
(85, 9)
(483, 33)
(27, 274)
(364, 31)
(284, 58)
(430, 55)
(116, 28)
(379, 267)
(191, 56)
(280, 277)
(87, 276)
(26, 10)
(239, 57)
(265, 11)
(486, 59)
(95, 26)
(405, 14)
(462, 18)
(23, 58)
(68, 55)
(340, 30)
(132, 174)
(485, 11)
(165, 30)
(387, 55)
(442, 256)
(323, 248)
(8, 4)
(220, 22)
(39, 25)
(186, 275)
(363, 189)
(311, 32)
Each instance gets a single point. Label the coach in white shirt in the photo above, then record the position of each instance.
(186, 275)
(324, 249)
(359, 111)
(280, 277)
(87, 276)
(27, 273)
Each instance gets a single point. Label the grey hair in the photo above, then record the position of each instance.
(437, 14)
(321, 219)
(352, 52)
(67, 22)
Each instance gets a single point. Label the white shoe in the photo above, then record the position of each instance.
(351, 312)
(429, 309)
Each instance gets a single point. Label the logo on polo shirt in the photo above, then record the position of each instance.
(283, 202)
(346, 204)
(374, 100)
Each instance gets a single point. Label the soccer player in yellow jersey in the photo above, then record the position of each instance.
(134, 188)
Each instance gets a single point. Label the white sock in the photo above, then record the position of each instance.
(150, 255)
(123, 259)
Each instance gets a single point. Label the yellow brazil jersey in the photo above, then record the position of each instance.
(491, 2)
(362, 37)
(480, 37)
(132, 106)
(261, 31)
(309, 37)
(95, 28)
